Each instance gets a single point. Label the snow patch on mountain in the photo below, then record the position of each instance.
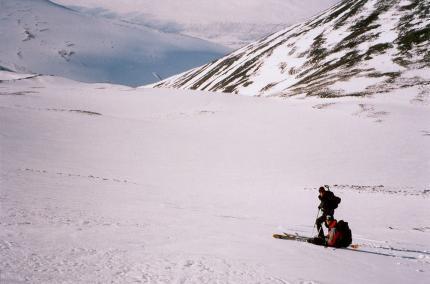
(354, 40)
(39, 36)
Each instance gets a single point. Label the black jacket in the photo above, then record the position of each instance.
(326, 204)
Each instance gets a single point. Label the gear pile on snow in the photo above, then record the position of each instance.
(339, 234)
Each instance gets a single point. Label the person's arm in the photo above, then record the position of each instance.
(321, 205)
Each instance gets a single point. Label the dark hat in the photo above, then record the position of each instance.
(321, 189)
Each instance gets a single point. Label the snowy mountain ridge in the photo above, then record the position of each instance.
(354, 48)
(232, 23)
(40, 36)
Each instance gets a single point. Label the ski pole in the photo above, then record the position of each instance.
(318, 213)
(320, 231)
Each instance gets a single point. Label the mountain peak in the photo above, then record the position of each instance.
(354, 48)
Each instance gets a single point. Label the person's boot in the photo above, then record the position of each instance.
(316, 241)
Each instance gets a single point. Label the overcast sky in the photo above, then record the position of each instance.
(207, 11)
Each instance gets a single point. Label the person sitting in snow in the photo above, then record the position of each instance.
(329, 202)
(339, 234)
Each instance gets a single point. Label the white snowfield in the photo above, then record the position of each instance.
(110, 184)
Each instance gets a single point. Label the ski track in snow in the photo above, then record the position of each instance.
(118, 180)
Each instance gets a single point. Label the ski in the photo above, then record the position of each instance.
(293, 237)
(299, 238)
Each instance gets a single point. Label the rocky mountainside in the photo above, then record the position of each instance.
(355, 48)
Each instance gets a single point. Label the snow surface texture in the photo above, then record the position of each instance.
(355, 48)
(232, 23)
(38, 36)
(109, 184)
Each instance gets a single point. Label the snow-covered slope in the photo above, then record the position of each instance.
(109, 184)
(38, 36)
(233, 23)
(354, 48)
